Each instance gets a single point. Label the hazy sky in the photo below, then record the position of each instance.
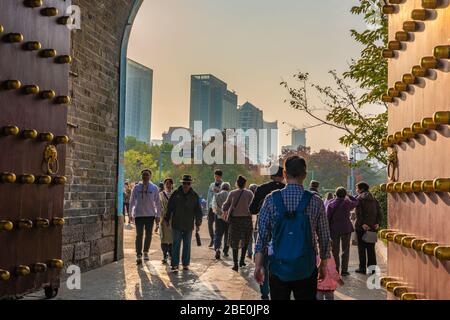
(250, 44)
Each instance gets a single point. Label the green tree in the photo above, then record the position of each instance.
(330, 168)
(131, 143)
(135, 162)
(346, 108)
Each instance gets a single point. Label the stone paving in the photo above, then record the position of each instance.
(208, 278)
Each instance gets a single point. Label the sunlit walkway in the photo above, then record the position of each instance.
(207, 279)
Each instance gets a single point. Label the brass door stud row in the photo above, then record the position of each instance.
(26, 224)
(426, 186)
(50, 12)
(34, 89)
(47, 12)
(417, 14)
(399, 288)
(430, 248)
(418, 71)
(24, 270)
(33, 134)
(9, 177)
(427, 124)
(14, 37)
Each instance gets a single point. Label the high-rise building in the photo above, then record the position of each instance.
(271, 139)
(266, 146)
(138, 114)
(230, 113)
(250, 117)
(207, 100)
(298, 138)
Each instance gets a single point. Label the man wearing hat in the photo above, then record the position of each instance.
(146, 209)
(185, 212)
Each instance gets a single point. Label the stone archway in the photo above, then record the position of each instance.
(92, 236)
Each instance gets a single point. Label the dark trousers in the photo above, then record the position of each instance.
(236, 255)
(221, 232)
(342, 242)
(126, 209)
(166, 250)
(264, 288)
(211, 220)
(178, 237)
(141, 224)
(303, 289)
(366, 252)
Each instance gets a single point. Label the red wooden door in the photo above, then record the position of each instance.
(34, 73)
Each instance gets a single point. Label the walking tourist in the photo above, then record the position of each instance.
(221, 230)
(236, 211)
(183, 214)
(214, 188)
(252, 188)
(327, 286)
(146, 210)
(261, 193)
(341, 227)
(166, 230)
(314, 187)
(329, 197)
(290, 221)
(368, 219)
(126, 200)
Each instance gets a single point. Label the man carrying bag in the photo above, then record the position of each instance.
(368, 219)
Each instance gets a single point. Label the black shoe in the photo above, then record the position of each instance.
(235, 268)
(362, 271)
(139, 260)
(186, 268)
(164, 261)
(225, 253)
(242, 264)
(211, 244)
(345, 273)
(217, 254)
(174, 268)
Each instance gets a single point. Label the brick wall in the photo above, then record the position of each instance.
(90, 197)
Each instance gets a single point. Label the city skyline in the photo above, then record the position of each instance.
(254, 45)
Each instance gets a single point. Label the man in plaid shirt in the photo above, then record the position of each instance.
(295, 174)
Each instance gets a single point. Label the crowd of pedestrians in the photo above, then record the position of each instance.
(299, 241)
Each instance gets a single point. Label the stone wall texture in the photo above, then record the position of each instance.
(91, 167)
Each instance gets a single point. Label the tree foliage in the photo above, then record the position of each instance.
(346, 108)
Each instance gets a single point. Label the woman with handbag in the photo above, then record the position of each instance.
(368, 219)
(237, 213)
(341, 227)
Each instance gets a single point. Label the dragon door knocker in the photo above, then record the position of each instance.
(393, 165)
(51, 159)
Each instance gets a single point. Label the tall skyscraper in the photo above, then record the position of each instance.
(230, 111)
(298, 138)
(207, 101)
(272, 139)
(250, 117)
(138, 114)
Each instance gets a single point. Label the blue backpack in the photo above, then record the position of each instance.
(293, 255)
